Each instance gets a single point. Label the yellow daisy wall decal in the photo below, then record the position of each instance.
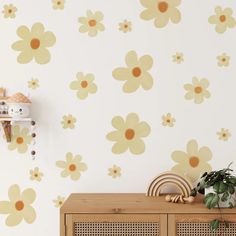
(33, 84)
(21, 138)
(9, 11)
(168, 120)
(58, 4)
(114, 171)
(162, 11)
(194, 162)
(125, 26)
(197, 91)
(35, 174)
(34, 44)
(136, 73)
(178, 57)
(128, 134)
(223, 19)
(68, 122)
(224, 134)
(59, 201)
(91, 23)
(19, 207)
(83, 85)
(72, 166)
(223, 60)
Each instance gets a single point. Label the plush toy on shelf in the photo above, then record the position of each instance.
(18, 106)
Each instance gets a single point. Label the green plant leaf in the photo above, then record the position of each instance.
(232, 180)
(214, 224)
(220, 187)
(231, 205)
(224, 197)
(231, 189)
(211, 200)
(226, 224)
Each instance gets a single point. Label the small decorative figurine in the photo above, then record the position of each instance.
(18, 106)
(179, 198)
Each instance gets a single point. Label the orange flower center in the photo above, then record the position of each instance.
(60, 202)
(222, 18)
(163, 6)
(115, 171)
(92, 23)
(58, 3)
(35, 43)
(194, 161)
(84, 84)
(19, 140)
(36, 175)
(125, 26)
(224, 134)
(198, 89)
(72, 167)
(69, 121)
(136, 71)
(168, 121)
(19, 205)
(223, 59)
(10, 11)
(129, 134)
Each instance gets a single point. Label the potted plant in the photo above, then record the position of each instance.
(222, 184)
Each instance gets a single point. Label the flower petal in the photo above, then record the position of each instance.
(192, 148)
(115, 136)
(118, 122)
(132, 120)
(120, 147)
(131, 85)
(142, 129)
(121, 73)
(29, 214)
(205, 153)
(5, 207)
(131, 59)
(147, 81)
(14, 219)
(14, 193)
(61, 164)
(48, 39)
(42, 56)
(146, 62)
(28, 196)
(179, 157)
(137, 146)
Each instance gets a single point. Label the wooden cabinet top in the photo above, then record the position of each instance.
(132, 203)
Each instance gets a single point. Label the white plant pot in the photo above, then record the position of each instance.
(222, 204)
(18, 110)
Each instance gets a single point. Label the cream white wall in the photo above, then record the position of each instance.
(74, 51)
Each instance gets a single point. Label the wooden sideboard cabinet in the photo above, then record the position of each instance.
(138, 215)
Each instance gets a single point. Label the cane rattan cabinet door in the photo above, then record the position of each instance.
(198, 224)
(116, 225)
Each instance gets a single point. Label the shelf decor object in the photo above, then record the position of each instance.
(15, 108)
(167, 179)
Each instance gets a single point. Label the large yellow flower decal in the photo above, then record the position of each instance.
(162, 11)
(20, 139)
(128, 134)
(72, 166)
(197, 90)
(192, 163)
(136, 73)
(34, 44)
(223, 19)
(19, 207)
(84, 85)
(91, 23)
